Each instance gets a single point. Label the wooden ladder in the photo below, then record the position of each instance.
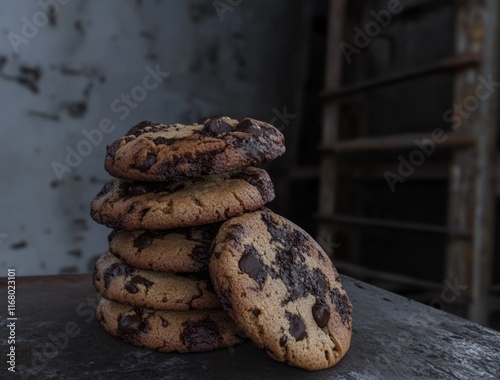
(474, 164)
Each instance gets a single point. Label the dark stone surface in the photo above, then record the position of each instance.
(393, 338)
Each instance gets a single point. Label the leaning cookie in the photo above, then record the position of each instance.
(164, 205)
(117, 281)
(179, 250)
(282, 290)
(164, 152)
(168, 331)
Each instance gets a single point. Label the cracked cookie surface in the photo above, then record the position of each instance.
(168, 331)
(155, 206)
(282, 290)
(119, 282)
(178, 250)
(162, 152)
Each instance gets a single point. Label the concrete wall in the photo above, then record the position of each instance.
(63, 71)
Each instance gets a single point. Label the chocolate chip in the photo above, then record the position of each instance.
(131, 324)
(112, 148)
(115, 270)
(248, 125)
(342, 305)
(165, 141)
(321, 314)
(217, 126)
(200, 335)
(253, 179)
(297, 327)
(283, 340)
(224, 300)
(136, 190)
(201, 254)
(164, 322)
(150, 159)
(144, 240)
(256, 312)
(256, 154)
(132, 285)
(146, 165)
(251, 264)
(143, 127)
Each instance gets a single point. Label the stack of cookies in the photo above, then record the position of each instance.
(194, 258)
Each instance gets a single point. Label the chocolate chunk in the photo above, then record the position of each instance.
(132, 285)
(235, 234)
(251, 264)
(283, 340)
(131, 324)
(144, 240)
(297, 326)
(200, 335)
(164, 322)
(256, 312)
(342, 305)
(201, 254)
(257, 155)
(224, 300)
(164, 141)
(252, 178)
(115, 270)
(217, 126)
(136, 190)
(146, 165)
(112, 148)
(248, 125)
(321, 314)
(143, 127)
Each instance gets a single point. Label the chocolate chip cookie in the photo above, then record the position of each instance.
(164, 205)
(164, 152)
(282, 290)
(168, 331)
(117, 281)
(178, 250)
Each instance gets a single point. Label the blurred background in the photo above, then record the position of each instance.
(389, 109)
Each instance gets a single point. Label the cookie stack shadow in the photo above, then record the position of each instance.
(173, 186)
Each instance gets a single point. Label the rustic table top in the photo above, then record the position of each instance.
(58, 337)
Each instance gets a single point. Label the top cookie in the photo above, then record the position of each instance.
(163, 152)
(282, 290)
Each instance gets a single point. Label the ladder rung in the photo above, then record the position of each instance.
(372, 170)
(406, 141)
(452, 63)
(416, 6)
(393, 224)
(360, 271)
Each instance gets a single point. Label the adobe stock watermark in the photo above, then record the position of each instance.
(283, 116)
(121, 107)
(398, 346)
(58, 341)
(31, 26)
(426, 147)
(327, 244)
(224, 6)
(372, 29)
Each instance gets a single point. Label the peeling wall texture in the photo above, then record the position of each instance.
(68, 68)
